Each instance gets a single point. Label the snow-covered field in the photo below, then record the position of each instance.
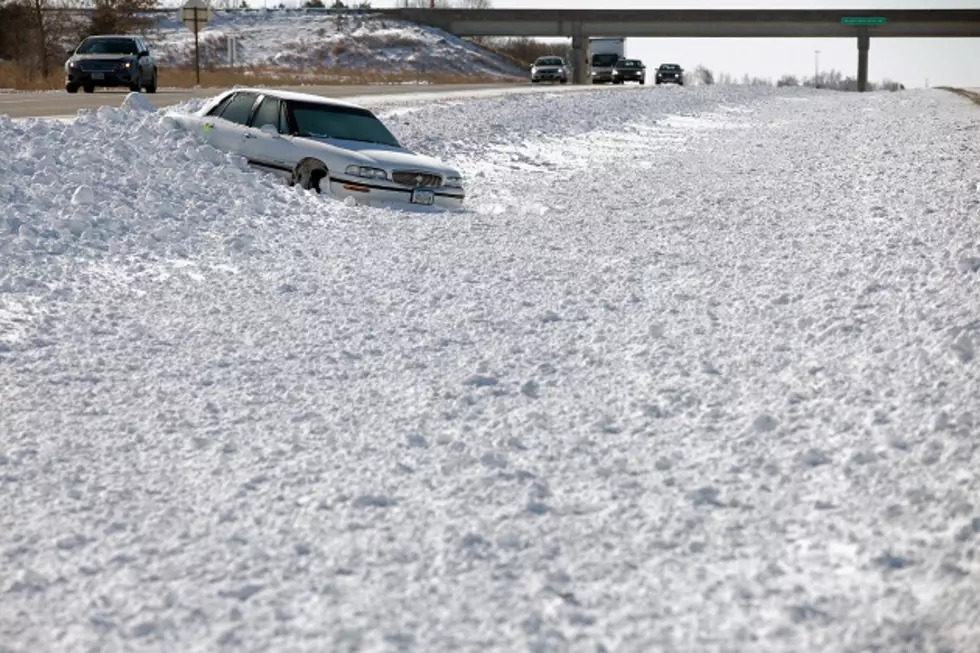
(697, 371)
(309, 39)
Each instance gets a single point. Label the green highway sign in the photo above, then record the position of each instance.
(863, 21)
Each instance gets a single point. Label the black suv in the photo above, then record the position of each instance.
(629, 70)
(111, 60)
(670, 73)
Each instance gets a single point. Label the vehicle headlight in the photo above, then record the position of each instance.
(71, 64)
(453, 182)
(366, 172)
(127, 64)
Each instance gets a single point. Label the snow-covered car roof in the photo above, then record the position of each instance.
(293, 95)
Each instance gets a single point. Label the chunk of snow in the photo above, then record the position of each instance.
(83, 196)
(137, 102)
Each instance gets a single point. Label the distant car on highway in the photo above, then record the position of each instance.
(110, 61)
(670, 73)
(629, 70)
(336, 148)
(549, 69)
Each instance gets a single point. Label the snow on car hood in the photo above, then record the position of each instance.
(388, 156)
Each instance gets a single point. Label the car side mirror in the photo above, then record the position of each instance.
(269, 130)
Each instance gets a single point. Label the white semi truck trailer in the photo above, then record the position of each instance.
(604, 52)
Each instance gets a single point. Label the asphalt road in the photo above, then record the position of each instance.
(61, 103)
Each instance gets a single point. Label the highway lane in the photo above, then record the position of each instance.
(63, 104)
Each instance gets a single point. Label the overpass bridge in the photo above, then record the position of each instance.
(580, 24)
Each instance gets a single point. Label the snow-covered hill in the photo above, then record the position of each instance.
(303, 40)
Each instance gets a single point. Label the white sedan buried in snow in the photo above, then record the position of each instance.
(333, 147)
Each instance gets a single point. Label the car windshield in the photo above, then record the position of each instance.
(628, 63)
(347, 123)
(107, 46)
(604, 59)
(670, 66)
(551, 61)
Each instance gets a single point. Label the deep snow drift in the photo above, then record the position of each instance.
(308, 39)
(697, 371)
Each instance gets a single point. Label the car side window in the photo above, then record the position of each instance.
(267, 113)
(239, 108)
(220, 106)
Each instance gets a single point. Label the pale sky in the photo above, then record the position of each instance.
(954, 62)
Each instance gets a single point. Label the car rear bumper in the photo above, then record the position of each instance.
(371, 194)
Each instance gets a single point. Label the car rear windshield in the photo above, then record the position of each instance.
(347, 123)
(107, 46)
(549, 62)
(604, 59)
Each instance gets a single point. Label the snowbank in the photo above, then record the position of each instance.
(696, 370)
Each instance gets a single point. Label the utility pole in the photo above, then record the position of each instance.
(816, 68)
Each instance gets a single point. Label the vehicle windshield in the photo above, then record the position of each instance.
(670, 66)
(107, 46)
(628, 63)
(604, 59)
(550, 61)
(347, 123)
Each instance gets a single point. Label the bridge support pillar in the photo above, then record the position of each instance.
(864, 44)
(580, 58)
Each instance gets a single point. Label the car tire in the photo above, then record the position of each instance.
(152, 88)
(135, 87)
(642, 82)
(89, 88)
(71, 88)
(309, 173)
(564, 80)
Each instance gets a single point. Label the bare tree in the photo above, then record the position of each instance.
(45, 35)
(704, 76)
(14, 21)
(120, 16)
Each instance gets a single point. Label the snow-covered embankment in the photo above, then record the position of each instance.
(698, 369)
